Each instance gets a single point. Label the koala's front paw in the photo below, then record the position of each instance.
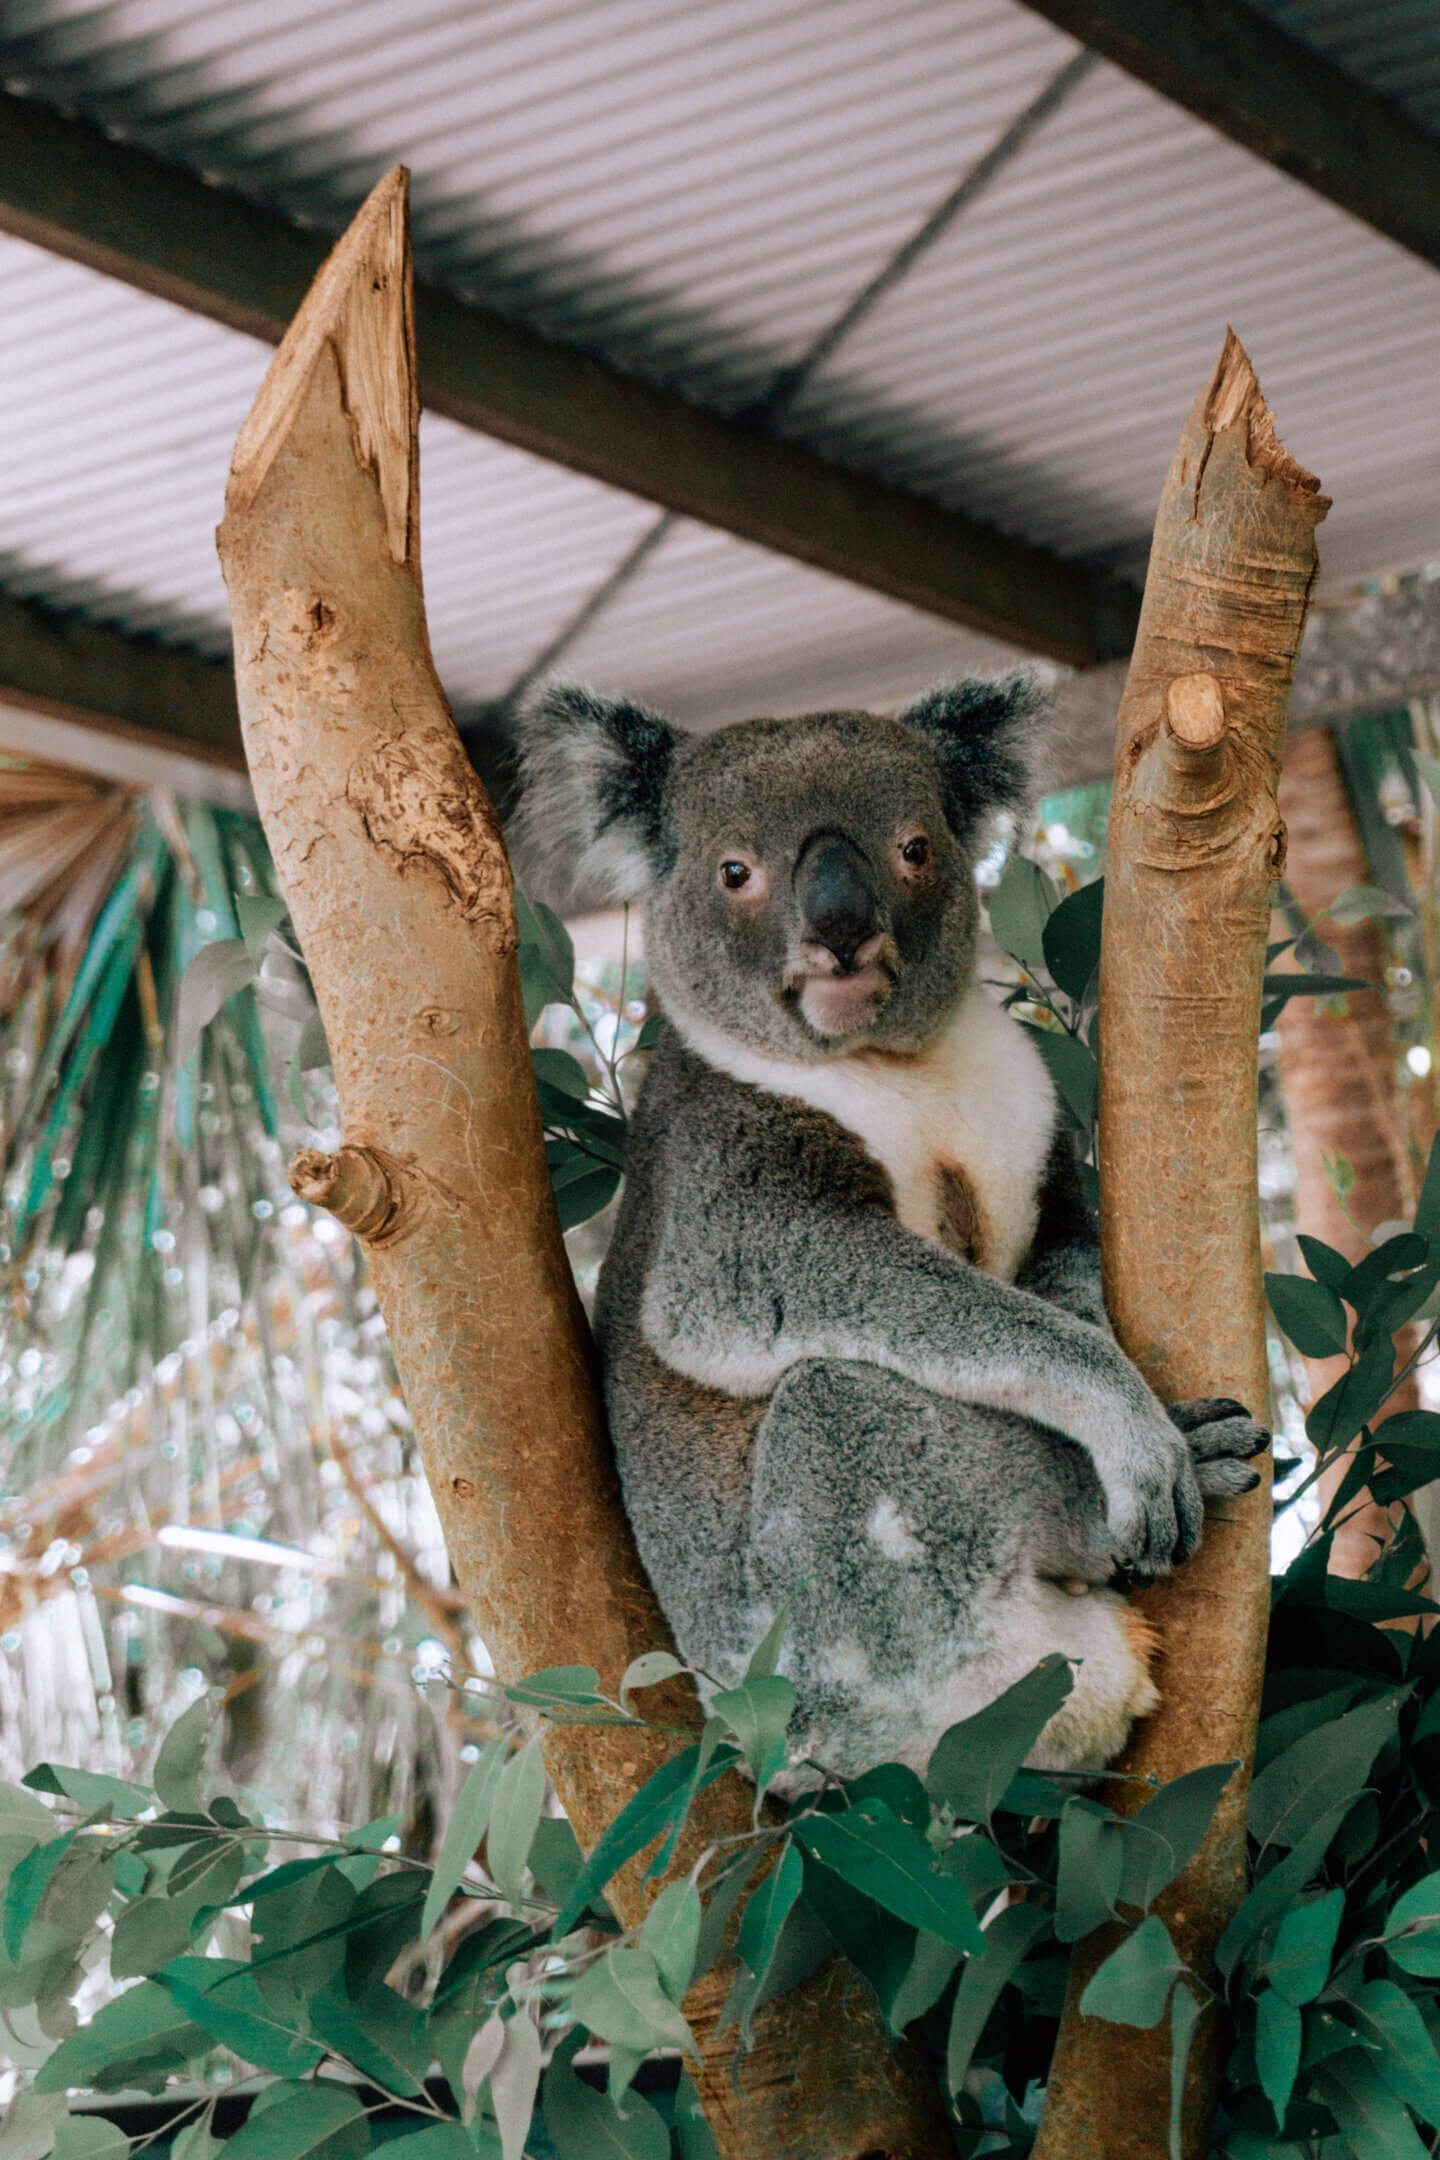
(1154, 1506)
(1223, 1438)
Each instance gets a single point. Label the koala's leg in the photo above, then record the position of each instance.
(920, 1541)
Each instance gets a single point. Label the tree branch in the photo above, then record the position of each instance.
(391, 861)
(1196, 844)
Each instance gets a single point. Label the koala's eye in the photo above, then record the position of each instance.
(915, 851)
(734, 874)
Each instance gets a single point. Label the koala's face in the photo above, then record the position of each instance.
(809, 885)
(818, 898)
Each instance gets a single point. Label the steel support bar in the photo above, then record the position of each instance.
(1233, 66)
(121, 210)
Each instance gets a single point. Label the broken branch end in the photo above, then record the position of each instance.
(372, 1193)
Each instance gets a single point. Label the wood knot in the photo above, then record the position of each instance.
(419, 796)
(463, 1488)
(375, 1195)
(440, 1020)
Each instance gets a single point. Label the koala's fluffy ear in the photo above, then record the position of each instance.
(593, 770)
(984, 733)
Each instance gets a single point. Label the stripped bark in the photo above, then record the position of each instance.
(391, 861)
(1196, 844)
(1338, 1074)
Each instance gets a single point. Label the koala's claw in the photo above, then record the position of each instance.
(1223, 1438)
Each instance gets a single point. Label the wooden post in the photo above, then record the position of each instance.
(1196, 844)
(391, 861)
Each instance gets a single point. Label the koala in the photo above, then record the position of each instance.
(854, 1346)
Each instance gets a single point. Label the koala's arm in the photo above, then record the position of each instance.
(1063, 1263)
(770, 1248)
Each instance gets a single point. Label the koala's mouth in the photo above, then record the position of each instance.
(835, 1000)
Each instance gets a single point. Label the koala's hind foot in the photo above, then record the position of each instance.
(1223, 1440)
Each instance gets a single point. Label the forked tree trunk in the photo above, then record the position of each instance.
(1196, 844)
(1338, 1074)
(391, 861)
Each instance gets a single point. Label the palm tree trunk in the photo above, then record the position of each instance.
(1338, 1074)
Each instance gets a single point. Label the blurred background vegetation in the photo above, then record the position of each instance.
(207, 1474)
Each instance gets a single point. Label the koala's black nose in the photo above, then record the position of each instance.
(838, 901)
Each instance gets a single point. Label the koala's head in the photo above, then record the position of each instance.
(808, 885)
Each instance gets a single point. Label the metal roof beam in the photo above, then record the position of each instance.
(123, 211)
(63, 675)
(1228, 63)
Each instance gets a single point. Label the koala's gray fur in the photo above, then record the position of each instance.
(855, 1350)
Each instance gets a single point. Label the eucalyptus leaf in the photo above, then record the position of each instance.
(1325, 1264)
(143, 2022)
(643, 1819)
(1010, 1934)
(90, 2137)
(1071, 939)
(559, 1070)
(29, 2124)
(26, 1889)
(671, 1934)
(463, 1832)
(1186, 2011)
(217, 971)
(258, 916)
(1092, 1857)
(1178, 1818)
(648, 1670)
(1132, 1986)
(872, 1850)
(1292, 1793)
(325, 2121)
(223, 1996)
(766, 1913)
(91, 1790)
(182, 1755)
(514, 2079)
(376, 2031)
(1412, 1929)
(621, 1999)
(1310, 1314)
(931, 1969)
(555, 1857)
(23, 1815)
(758, 1712)
(974, 1762)
(1020, 905)
(1280, 1885)
(1072, 1067)
(1373, 2119)
(557, 1686)
(1408, 2059)
(1277, 2050)
(1367, 903)
(1297, 1964)
(514, 1816)
(766, 1655)
(584, 2125)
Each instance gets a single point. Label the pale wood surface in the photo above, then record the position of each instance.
(391, 860)
(1187, 905)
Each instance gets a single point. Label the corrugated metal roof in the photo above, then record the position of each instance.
(698, 192)
(118, 414)
(1035, 367)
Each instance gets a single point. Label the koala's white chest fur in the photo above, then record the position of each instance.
(979, 1103)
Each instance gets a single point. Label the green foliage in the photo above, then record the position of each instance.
(955, 1897)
